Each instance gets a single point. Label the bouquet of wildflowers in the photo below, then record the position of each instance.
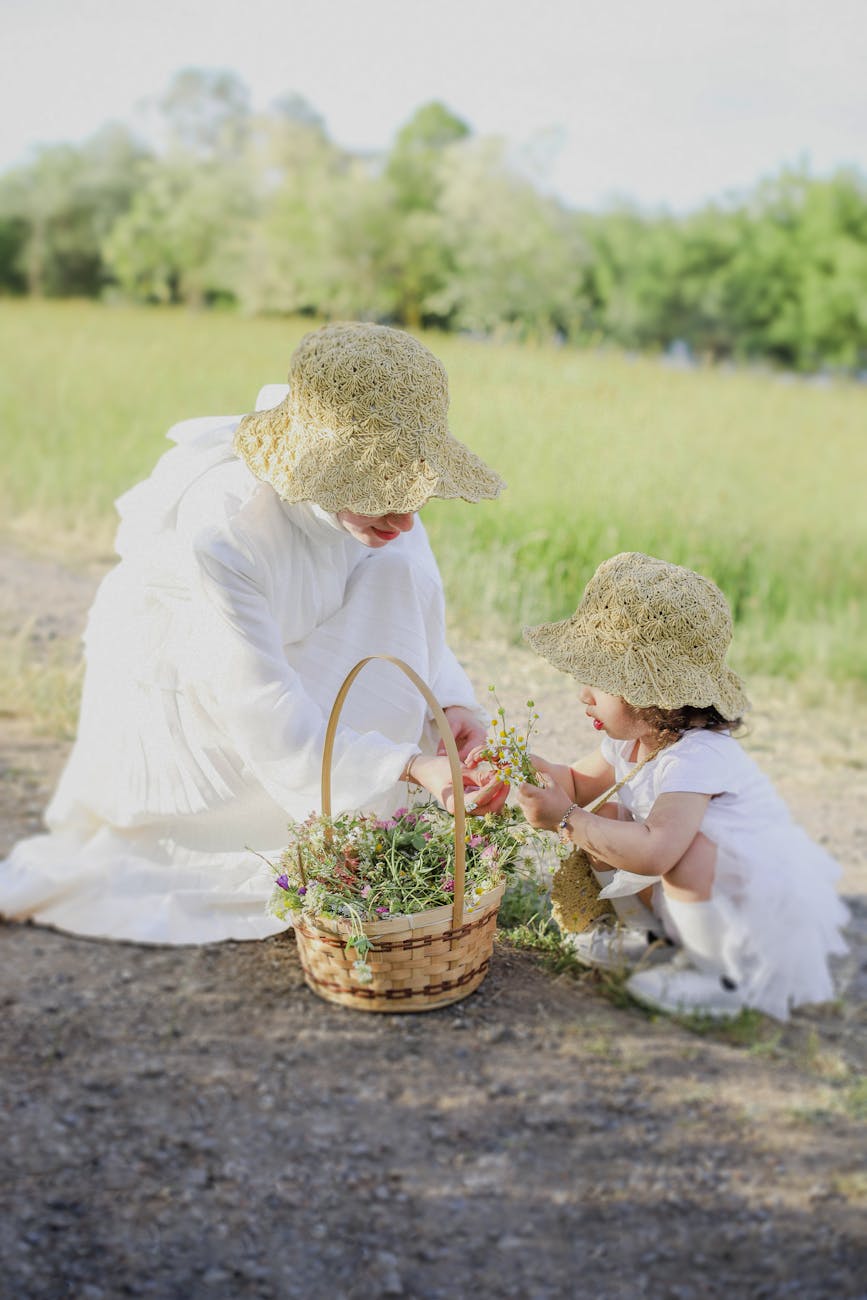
(508, 750)
(367, 868)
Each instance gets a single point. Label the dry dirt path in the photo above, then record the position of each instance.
(193, 1123)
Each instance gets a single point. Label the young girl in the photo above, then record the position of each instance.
(698, 833)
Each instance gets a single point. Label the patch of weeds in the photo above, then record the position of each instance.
(747, 1029)
(821, 1062)
(812, 1115)
(852, 1186)
(855, 1097)
(691, 1052)
(525, 921)
(541, 935)
(44, 688)
(524, 902)
(600, 1045)
(612, 984)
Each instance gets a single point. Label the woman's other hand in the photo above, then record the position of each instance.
(467, 730)
(433, 772)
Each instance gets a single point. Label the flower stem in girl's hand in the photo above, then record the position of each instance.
(507, 749)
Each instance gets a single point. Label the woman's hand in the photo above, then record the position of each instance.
(434, 774)
(543, 806)
(466, 729)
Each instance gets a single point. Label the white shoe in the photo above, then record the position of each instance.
(682, 990)
(609, 946)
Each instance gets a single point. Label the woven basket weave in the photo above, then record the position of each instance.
(419, 962)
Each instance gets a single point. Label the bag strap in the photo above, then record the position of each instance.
(629, 775)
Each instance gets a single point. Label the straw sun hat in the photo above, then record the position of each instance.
(364, 427)
(652, 632)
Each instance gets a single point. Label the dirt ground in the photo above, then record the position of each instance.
(193, 1122)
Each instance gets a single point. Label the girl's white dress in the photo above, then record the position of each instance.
(784, 913)
(214, 652)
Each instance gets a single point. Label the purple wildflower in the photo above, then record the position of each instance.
(302, 890)
(475, 840)
(399, 812)
(381, 911)
(282, 882)
(449, 886)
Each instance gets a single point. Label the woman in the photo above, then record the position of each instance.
(259, 562)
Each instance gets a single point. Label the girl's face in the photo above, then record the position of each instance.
(611, 714)
(375, 530)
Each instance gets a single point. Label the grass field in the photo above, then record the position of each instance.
(754, 479)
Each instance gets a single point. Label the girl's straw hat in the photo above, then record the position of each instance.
(364, 427)
(652, 632)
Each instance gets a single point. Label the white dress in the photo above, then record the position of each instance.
(214, 652)
(785, 914)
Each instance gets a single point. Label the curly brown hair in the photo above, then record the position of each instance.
(670, 724)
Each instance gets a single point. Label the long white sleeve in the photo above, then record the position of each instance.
(276, 726)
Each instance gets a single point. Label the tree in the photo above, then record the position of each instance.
(182, 238)
(61, 205)
(206, 114)
(413, 165)
(516, 260)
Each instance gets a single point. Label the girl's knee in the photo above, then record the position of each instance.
(691, 879)
(615, 812)
(611, 812)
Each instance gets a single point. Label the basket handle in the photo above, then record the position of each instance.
(454, 763)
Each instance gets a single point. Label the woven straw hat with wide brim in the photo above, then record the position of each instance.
(652, 632)
(364, 427)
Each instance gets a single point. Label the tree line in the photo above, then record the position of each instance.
(266, 212)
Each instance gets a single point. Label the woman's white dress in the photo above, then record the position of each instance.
(214, 652)
(784, 912)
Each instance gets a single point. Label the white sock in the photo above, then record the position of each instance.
(701, 928)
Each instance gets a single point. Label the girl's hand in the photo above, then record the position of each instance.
(559, 773)
(543, 807)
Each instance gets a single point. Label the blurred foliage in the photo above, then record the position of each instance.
(266, 212)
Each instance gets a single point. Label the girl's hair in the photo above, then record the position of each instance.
(672, 723)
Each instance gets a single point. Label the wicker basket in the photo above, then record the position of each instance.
(419, 962)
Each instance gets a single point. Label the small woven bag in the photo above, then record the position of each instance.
(575, 901)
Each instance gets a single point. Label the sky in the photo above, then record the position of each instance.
(668, 103)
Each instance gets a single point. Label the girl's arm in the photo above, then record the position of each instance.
(650, 848)
(582, 781)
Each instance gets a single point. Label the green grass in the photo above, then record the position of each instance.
(754, 480)
(44, 687)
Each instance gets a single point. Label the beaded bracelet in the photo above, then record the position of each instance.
(563, 824)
